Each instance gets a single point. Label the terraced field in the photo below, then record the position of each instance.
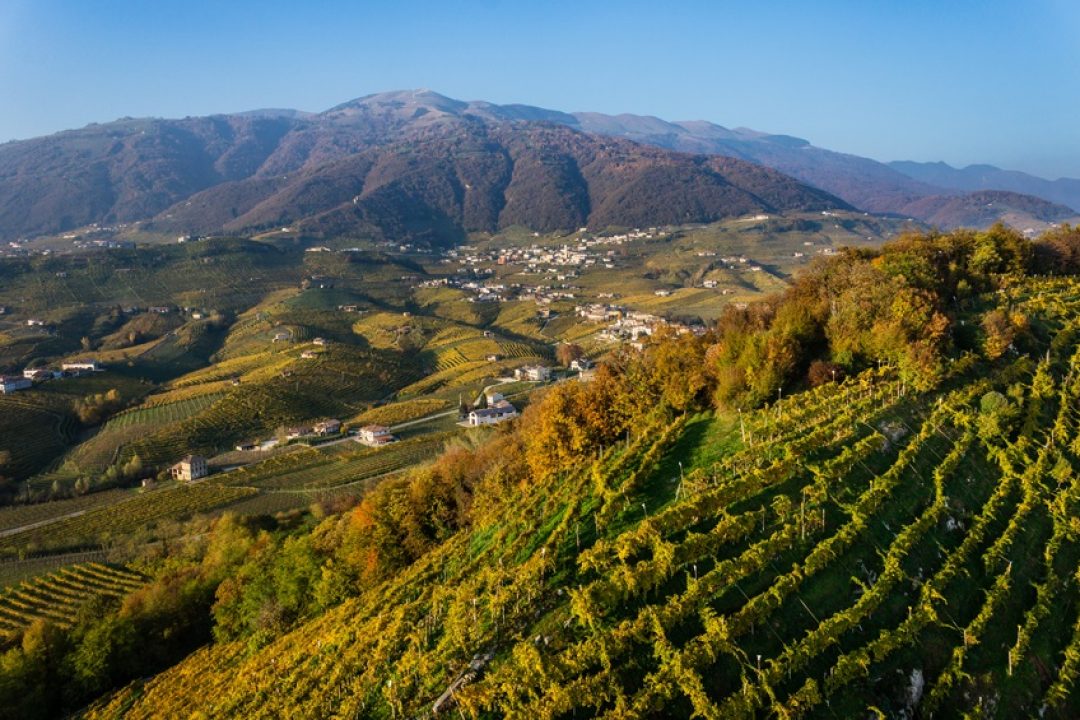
(58, 596)
(115, 521)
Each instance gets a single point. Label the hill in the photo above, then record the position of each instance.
(1064, 191)
(984, 207)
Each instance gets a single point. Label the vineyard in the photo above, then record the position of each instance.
(58, 596)
(859, 550)
(320, 470)
(102, 524)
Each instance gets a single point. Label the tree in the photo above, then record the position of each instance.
(823, 371)
(999, 333)
(567, 353)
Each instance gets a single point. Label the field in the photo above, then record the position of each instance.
(121, 520)
(59, 596)
(856, 550)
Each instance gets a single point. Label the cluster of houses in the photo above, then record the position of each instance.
(14, 383)
(323, 428)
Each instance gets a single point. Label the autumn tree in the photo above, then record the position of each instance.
(567, 353)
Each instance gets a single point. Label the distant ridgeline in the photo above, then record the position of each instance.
(858, 497)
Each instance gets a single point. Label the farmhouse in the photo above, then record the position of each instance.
(309, 355)
(79, 366)
(327, 427)
(13, 383)
(497, 413)
(298, 431)
(375, 435)
(34, 322)
(581, 364)
(192, 467)
(282, 337)
(536, 373)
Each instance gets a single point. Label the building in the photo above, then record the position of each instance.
(581, 364)
(41, 374)
(81, 366)
(321, 342)
(34, 322)
(327, 427)
(497, 413)
(282, 337)
(375, 435)
(13, 383)
(535, 373)
(192, 467)
(298, 431)
(159, 309)
(309, 355)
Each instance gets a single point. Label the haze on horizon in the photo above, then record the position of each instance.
(963, 82)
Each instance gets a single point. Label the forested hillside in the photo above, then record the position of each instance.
(856, 498)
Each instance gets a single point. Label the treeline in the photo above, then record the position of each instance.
(48, 671)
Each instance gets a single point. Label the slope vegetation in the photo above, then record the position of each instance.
(900, 542)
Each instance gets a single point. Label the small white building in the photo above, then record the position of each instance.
(581, 364)
(375, 435)
(81, 366)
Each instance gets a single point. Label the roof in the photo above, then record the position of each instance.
(374, 428)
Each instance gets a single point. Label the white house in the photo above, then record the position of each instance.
(375, 435)
(498, 413)
(536, 373)
(190, 468)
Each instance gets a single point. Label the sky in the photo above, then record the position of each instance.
(963, 81)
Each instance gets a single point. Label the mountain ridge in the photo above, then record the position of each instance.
(270, 167)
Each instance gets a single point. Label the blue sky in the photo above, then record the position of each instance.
(957, 80)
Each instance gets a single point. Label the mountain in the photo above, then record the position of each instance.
(417, 164)
(864, 183)
(405, 164)
(1065, 191)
